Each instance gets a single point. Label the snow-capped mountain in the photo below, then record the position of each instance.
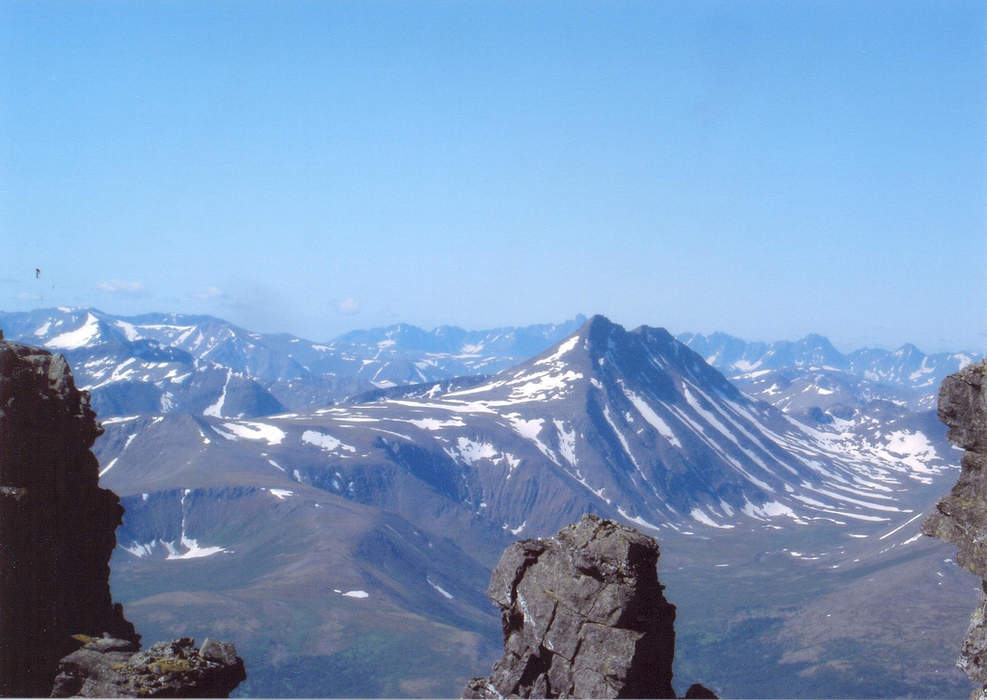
(907, 367)
(628, 424)
(132, 368)
(822, 394)
(152, 363)
(404, 354)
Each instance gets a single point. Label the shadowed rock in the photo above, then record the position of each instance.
(960, 517)
(583, 615)
(56, 537)
(56, 523)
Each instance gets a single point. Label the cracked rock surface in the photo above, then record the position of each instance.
(583, 615)
(960, 517)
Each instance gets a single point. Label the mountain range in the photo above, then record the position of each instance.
(174, 363)
(257, 494)
(904, 368)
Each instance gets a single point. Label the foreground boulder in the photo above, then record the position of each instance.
(56, 523)
(583, 615)
(960, 518)
(108, 667)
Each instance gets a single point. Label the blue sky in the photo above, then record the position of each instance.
(764, 168)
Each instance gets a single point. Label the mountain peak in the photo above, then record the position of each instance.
(599, 330)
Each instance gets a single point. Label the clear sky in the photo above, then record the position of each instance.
(764, 168)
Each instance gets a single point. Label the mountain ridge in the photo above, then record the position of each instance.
(166, 362)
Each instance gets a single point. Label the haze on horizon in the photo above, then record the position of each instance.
(767, 169)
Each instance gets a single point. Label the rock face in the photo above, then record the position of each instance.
(961, 517)
(583, 616)
(56, 537)
(110, 667)
(56, 524)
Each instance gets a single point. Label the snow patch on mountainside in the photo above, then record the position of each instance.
(472, 452)
(325, 441)
(567, 442)
(913, 448)
(256, 431)
(563, 348)
(698, 515)
(129, 332)
(216, 410)
(540, 385)
(193, 550)
(530, 429)
(649, 415)
(443, 592)
(637, 520)
(83, 335)
(436, 424)
(771, 509)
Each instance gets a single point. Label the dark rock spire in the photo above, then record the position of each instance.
(56, 523)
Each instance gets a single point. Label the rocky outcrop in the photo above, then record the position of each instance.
(113, 668)
(56, 524)
(583, 615)
(56, 537)
(960, 518)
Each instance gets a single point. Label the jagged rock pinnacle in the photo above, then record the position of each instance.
(583, 615)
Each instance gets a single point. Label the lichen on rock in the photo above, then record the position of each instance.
(109, 667)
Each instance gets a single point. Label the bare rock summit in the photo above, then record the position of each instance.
(583, 615)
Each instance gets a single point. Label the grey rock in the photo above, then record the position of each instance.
(963, 407)
(583, 615)
(109, 668)
(223, 652)
(973, 656)
(960, 517)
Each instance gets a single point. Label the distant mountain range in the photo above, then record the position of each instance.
(338, 536)
(906, 367)
(173, 363)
